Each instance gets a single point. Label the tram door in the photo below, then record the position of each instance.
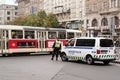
(41, 35)
(3, 41)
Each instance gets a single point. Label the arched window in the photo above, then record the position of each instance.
(104, 22)
(116, 21)
(94, 22)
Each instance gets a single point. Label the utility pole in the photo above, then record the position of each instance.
(112, 26)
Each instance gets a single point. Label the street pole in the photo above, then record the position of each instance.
(1, 32)
(112, 26)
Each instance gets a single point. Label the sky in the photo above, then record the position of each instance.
(11, 2)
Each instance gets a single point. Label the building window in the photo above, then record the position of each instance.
(8, 18)
(104, 5)
(8, 12)
(15, 13)
(104, 22)
(116, 21)
(87, 21)
(16, 8)
(94, 7)
(113, 3)
(94, 23)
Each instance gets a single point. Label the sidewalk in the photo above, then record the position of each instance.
(117, 61)
(117, 55)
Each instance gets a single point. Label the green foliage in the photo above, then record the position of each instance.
(31, 20)
(51, 21)
(39, 19)
(18, 21)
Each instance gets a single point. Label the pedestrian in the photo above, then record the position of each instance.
(56, 49)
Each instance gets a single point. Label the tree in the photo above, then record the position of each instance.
(40, 18)
(31, 20)
(18, 21)
(51, 21)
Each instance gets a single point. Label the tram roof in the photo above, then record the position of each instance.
(34, 28)
(14, 27)
(71, 30)
(61, 29)
(56, 29)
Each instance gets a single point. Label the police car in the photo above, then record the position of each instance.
(89, 49)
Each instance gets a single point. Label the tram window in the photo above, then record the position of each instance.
(26, 44)
(52, 35)
(61, 35)
(70, 35)
(17, 34)
(29, 34)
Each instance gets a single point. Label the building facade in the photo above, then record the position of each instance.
(69, 12)
(26, 7)
(103, 16)
(7, 13)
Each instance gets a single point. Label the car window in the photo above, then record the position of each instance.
(85, 42)
(106, 43)
(71, 42)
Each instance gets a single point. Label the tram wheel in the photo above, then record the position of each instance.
(5, 55)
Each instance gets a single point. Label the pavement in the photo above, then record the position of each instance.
(116, 61)
(118, 55)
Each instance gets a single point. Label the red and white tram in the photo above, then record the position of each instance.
(27, 39)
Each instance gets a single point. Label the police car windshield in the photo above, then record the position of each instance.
(106, 43)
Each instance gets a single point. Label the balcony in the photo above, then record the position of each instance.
(91, 11)
(109, 10)
(62, 11)
(19, 1)
(26, 1)
(99, 28)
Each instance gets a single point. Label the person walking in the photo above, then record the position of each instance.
(56, 49)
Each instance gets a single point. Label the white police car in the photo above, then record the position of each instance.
(89, 49)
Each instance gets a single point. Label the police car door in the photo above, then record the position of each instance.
(74, 51)
(69, 48)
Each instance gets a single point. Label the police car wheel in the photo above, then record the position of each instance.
(106, 62)
(64, 57)
(89, 60)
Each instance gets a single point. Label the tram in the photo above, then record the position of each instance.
(28, 39)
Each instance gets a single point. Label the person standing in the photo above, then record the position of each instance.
(56, 49)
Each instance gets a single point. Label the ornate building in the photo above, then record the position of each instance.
(103, 16)
(26, 7)
(7, 13)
